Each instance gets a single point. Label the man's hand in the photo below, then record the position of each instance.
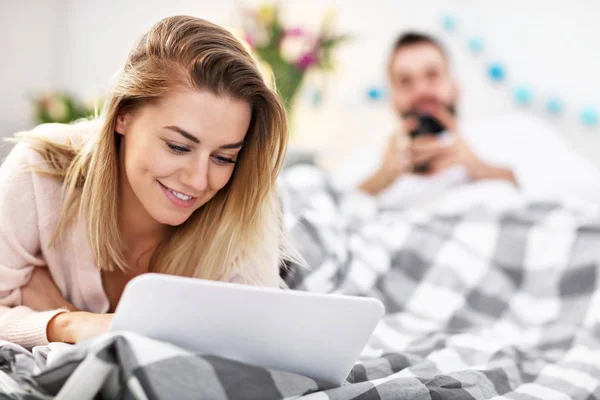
(396, 159)
(42, 294)
(396, 162)
(441, 153)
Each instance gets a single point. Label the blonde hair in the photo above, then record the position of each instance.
(241, 224)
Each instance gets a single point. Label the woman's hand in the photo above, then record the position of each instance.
(42, 294)
(73, 327)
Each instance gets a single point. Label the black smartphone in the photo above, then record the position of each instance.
(428, 124)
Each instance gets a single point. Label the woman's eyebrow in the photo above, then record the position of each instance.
(183, 133)
(232, 145)
(194, 139)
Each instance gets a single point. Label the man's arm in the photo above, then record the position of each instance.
(442, 153)
(376, 184)
(486, 171)
(396, 162)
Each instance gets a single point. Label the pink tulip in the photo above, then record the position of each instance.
(307, 60)
(249, 39)
(294, 32)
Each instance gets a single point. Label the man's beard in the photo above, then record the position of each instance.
(417, 111)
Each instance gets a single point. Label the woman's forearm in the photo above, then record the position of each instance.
(42, 294)
(73, 327)
(59, 328)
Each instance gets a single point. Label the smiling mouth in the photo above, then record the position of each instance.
(177, 194)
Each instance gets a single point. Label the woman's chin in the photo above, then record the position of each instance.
(170, 219)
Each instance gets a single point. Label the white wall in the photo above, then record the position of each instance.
(550, 45)
(100, 34)
(31, 58)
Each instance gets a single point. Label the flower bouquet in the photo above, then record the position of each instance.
(290, 52)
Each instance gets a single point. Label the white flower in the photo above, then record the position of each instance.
(260, 38)
(293, 47)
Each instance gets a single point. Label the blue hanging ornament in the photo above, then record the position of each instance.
(497, 72)
(449, 23)
(523, 95)
(375, 93)
(476, 45)
(554, 105)
(316, 98)
(589, 116)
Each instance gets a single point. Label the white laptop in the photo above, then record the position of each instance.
(316, 335)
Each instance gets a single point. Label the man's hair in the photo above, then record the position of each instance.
(412, 38)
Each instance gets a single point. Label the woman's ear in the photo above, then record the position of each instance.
(121, 123)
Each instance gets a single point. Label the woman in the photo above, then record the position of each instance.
(177, 177)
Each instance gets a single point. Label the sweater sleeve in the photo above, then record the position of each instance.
(19, 249)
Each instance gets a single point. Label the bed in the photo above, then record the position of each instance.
(488, 295)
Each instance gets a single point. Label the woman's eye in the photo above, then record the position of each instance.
(224, 160)
(177, 149)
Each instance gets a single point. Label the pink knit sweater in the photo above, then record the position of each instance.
(29, 209)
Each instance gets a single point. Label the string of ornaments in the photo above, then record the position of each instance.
(497, 72)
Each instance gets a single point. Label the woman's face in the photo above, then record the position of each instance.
(177, 154)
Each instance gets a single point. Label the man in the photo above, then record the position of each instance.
(520, 151)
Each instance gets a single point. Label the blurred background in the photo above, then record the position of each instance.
(543, 50)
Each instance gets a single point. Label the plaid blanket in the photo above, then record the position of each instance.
(491, 293)
(488, 296)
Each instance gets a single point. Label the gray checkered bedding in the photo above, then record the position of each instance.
(485, 300)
